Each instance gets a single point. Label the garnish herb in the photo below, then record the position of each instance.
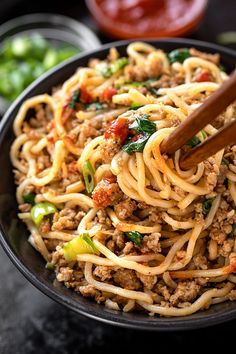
(179, 55)
(40, 210)
(134, 236)
(145, 128)
(79, 245)
(88, 174)
(206, 206)
(194, 141)
(29, 198)
(225, 161)
(74, 99)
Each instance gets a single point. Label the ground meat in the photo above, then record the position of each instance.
(43, 162)
(135, 73)
(211, 172)
(151, 243)
(51, 244)
(200, 261)
(119, 239)
(125, 208)
(162, 290)
(185, 291)
(129, 248)
(226, 248)
(109, 148)
(127, 279)
(45, 226)
(65, 274)
(65, 220)
(148, 280)
(103, 219)
(214, 58)
(232, 295)
(89, 291)
(107, 192)
(103, 272)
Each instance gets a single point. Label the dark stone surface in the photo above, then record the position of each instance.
(32, 323)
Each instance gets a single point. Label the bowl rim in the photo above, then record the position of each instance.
(158, 324)
(50, 18)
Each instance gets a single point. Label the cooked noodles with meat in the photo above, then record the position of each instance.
(115, 219)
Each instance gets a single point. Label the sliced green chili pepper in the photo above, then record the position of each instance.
(79, 245)
(135, 105)
(29, 198)
(88, 174)
(40, 210)
(119, 64)
(134, 236)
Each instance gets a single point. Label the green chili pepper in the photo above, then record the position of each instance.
(119, 64)
(134, 236)
(29, 198)
(40, 210)
(179, 55)
(135, 105)
(79, 245)
(88, 174)
(204, 134)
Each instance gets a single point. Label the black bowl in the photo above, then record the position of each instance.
(14, 234)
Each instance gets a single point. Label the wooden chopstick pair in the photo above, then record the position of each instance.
(197, 120)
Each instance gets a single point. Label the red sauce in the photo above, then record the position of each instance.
(140, 18)
(119, 129)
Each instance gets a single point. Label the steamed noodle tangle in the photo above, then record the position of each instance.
(117, 220)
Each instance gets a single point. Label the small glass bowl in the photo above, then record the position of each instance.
(57, 29)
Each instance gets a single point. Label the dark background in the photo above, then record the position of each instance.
(31, 323)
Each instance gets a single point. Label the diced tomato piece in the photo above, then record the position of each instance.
(108, 93)
(119, 129)
(203, 76)
(85, 97)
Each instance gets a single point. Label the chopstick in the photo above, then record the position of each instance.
(198, 119)
(225, 136)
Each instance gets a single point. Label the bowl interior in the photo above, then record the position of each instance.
(14, 234)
